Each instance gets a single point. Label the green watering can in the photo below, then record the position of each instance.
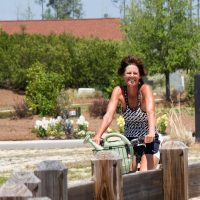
(118, 143)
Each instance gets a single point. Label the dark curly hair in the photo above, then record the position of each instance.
(132, 60)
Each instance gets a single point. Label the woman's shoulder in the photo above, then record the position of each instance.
(118, 90)
(145, 88)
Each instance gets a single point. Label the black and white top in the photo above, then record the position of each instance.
(136, 120)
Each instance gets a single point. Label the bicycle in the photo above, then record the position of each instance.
(120, 144)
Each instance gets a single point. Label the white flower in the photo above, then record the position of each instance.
(59, 119)
(38, 123)
(86, 124)
(81, 120)
(44, 123)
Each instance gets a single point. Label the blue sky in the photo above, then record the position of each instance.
(16, 9)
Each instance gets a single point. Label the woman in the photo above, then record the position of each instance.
(138, 111)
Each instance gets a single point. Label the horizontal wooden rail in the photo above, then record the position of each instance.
(81, 191)
(143, 185)
(194, 180)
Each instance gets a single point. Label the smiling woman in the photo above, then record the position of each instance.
(137, 102)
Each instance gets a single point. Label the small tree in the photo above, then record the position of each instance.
(42, 89)
(164, 34)
(66, 9)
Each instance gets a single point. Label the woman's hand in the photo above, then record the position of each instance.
(149, 138)
(97, 139)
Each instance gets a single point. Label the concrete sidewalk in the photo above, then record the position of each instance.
(47, 144)
(41, 144)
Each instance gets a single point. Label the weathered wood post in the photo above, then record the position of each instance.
(175, 170)
(13, 191)
(107, 172)
(53, 176)
(28, 178)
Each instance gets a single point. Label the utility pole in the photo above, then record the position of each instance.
(198, 5)
(124, 8)
(42, 9)
(41, 2)
(73, 10)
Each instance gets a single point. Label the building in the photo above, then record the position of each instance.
(103, 28)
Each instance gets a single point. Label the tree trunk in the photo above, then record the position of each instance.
(167, 83)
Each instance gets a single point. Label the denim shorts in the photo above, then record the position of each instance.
(150, 148)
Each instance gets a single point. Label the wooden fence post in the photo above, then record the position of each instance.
(107, 172)
(13, 191)
(53, 176)
(175, 170)
(28, 178)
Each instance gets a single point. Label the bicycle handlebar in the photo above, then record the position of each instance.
(138, 142)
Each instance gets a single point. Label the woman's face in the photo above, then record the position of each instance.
(132, 75)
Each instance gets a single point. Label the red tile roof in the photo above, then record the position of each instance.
(105, 28)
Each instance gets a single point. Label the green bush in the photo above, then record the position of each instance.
(81, 62)
(42, 89)
(162, 123)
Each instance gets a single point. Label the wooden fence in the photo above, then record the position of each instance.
(174, 180)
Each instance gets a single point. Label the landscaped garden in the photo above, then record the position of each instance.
(40, 77)
(170, 120)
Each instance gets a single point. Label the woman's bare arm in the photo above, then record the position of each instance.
(108, 117)
(150, 109)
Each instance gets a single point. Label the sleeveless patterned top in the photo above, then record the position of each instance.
(136, 121)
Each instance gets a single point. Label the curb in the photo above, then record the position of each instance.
(41, 144)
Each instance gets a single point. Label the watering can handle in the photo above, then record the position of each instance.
(123, 138)
(119, 135)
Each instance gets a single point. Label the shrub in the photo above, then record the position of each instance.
(178, 129)
(42, 89)
(162, 123)
(98, 108)
(21, 110)
(120, 123)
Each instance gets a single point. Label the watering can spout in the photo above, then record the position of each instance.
(95, 145)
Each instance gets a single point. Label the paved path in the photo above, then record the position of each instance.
(41, 144)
